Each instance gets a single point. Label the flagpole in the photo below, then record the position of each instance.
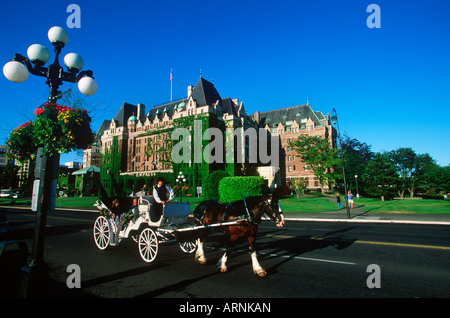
(170, 85)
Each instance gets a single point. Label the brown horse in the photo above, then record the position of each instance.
(248, 214)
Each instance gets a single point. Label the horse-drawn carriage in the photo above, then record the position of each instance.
(110, 230)
(174, 223)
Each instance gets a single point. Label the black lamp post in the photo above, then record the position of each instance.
(335, 121)
(181, 180)
(17, 70)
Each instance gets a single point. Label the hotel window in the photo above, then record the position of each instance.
(290, 169)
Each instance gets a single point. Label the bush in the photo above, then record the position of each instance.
(211, 185)
(231, 187)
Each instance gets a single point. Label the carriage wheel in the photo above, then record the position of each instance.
(148, 245)
(188, 247)
(102, 233)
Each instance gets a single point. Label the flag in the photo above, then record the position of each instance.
(132, 159)
(171, 75)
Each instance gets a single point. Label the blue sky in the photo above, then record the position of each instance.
(390, 86)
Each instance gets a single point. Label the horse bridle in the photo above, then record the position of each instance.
(268, 202)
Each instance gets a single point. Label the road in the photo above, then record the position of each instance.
(303, 259)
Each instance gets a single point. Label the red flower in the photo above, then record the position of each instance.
(38, 111)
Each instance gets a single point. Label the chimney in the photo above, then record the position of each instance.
(256, 117)
(189, 91)
(140, 110)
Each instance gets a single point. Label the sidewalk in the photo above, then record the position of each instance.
(357, 215)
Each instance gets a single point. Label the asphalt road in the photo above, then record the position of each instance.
(303, 259)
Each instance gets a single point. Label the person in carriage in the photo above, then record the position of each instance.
(162, 193)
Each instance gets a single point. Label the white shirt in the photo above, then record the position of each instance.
(169, 192)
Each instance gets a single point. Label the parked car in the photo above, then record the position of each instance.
(5, 194)
(17, 194)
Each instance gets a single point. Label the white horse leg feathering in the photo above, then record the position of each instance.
(257, 269)
(199, 254)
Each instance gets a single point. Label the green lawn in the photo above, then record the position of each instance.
(76, 202)
(307, 205)
(303, 205)
(405, 206)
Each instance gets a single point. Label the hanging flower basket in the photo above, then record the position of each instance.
(58, 129)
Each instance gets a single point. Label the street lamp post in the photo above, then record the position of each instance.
(17, 70)
(357, 192)
(335, 121)
(181, 180)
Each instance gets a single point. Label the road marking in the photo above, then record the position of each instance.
(372, 242)
(406, 245)
(290, 256)
(308, 258)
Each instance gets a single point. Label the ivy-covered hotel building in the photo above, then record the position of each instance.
(136, 144)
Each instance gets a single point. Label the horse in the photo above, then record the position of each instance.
(247, 214)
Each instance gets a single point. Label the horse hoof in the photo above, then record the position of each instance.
(201, 261)
(223, 269)
(261, 273)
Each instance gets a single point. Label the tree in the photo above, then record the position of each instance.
(357, 155)
(380, 176)
(298, 185)
(404, 160)
(422, 164)
(436, 178)
(320, 157)
(211, 185)
(8, 176)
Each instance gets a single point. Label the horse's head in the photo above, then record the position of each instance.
(274, 211)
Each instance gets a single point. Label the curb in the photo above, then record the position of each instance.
(368, 221)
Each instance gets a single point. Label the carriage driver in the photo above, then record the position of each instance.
(162, 194)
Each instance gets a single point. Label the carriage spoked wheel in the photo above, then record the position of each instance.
(188, 247)
(148, 245)
(102, 232)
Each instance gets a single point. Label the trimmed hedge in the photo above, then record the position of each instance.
(230, 187)
(211, 185)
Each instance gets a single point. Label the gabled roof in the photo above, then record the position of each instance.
(228, 106)
(105, 125)
(160, 110)
(124, 113)
(289, 114)
(205, 93)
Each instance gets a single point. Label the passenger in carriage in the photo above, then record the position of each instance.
(162, 194)
(116, 213)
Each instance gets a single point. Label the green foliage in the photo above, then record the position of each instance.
(22, 143)
(59, 129)
(231, 187)
(380, 176)
(298, 185)
(211, 185)
(320, 157)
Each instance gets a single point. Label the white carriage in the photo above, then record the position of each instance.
(147, 233)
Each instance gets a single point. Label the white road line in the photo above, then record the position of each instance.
(291, 256)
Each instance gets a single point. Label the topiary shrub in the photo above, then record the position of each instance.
(211, 185)
(231, 187)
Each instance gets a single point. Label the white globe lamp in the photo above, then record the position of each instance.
(38, 53)
(58, 34)
(87, 86)
(73, 61)
(15, 71)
